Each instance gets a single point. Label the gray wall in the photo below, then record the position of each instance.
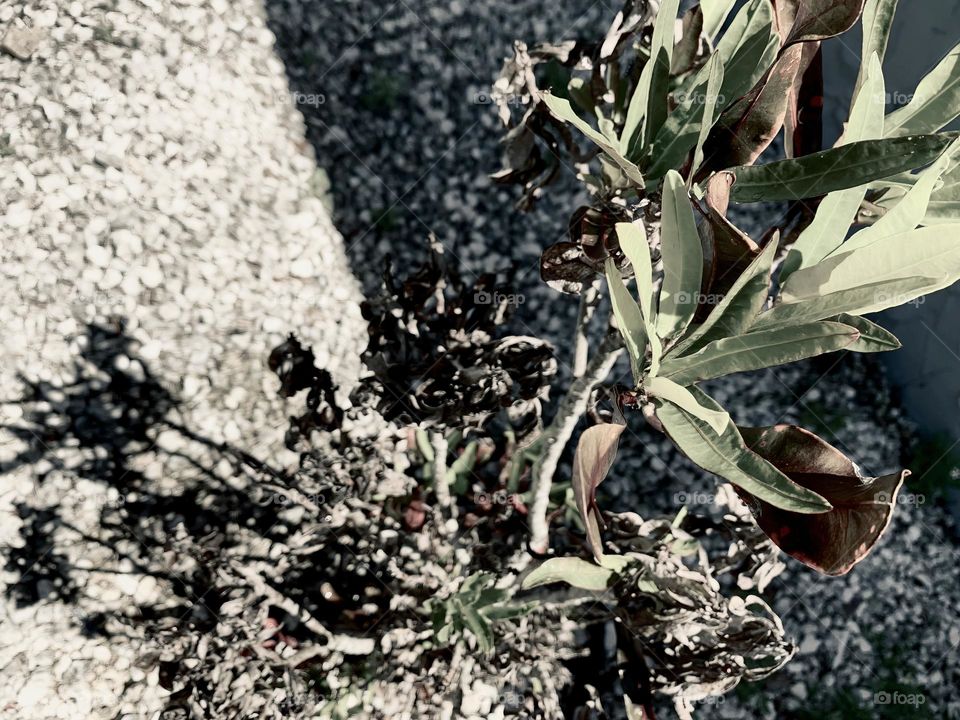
(927, 369)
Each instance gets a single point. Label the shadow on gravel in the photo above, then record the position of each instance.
(103, 427)
(396, 102)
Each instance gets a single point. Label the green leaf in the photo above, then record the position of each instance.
(877, 21)
(930, 252)
(944, 205)
(633, 242)
(629, 319)
(726, 455)
(573, 571)
(478, 625)
(716, 419)
(836, 169)
(746, 50)
(682, 259)
(910, 211)
(714, 88)
(935, 103)
(424, 445)
(507, 612)
(560, 108)
(596, 451)
(460, 469)
(873, 338)
(650, 93)
(758, 350)
(839, 209)
(739, 308)
(715, 13)
(871, 297)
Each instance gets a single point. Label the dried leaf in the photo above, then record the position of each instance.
(831, 542)
(596, 451)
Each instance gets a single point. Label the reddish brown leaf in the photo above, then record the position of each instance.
(748, 127)
(810, 20)
(595, 454)
(834, 541)
(685, 51)
(564, 267)
(803, 123)
(727, 250)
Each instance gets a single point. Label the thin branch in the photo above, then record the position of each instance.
(555, 438)
(348, 645)
(589, 299)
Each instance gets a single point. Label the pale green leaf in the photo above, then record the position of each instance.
(629, 319)
(682, 256)
(758, 350)
(877, 21)
(644, 97)
(560, 108)
(929, 252)
(873, 338)
(935, 102)
(716, 419)
(714, 88)
(715, 13)
(572, 571)
(837, 168)
(746, 50)
(479, 626)
(910, 211)
(738, 309)
(726, 455)
(839, 209)
(871, 297)
(633, 242)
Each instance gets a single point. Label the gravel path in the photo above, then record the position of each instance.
(163, 219)
(154, 171)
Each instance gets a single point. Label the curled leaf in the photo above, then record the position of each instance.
(834, 541)
(571, 570)
(595, 454)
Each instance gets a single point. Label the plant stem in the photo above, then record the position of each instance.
(589, 300)
(440, 487)
(555, 438)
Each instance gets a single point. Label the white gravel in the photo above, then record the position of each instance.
(152, 168)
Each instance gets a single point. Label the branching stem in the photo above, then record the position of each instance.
(555, 437)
